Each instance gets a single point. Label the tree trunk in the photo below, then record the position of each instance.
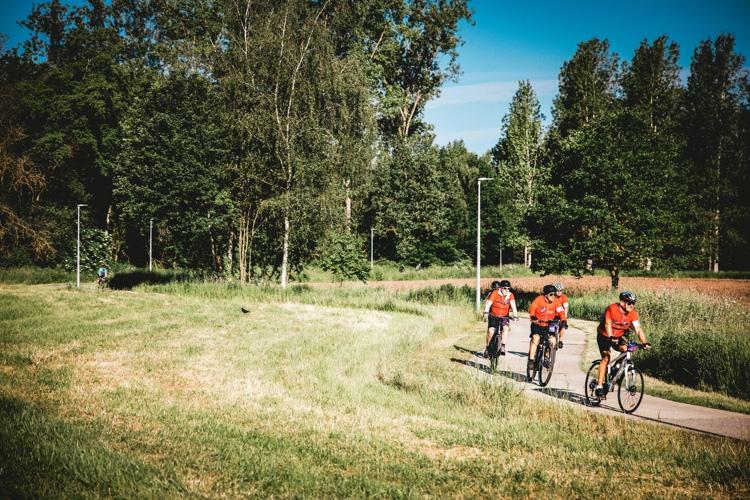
(285, 253)
(230, 254)
(348, 207)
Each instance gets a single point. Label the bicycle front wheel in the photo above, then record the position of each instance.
(546, 365)
(492, 351)
(589, 390)
(630, 390)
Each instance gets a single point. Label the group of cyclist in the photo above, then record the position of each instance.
(553, 305)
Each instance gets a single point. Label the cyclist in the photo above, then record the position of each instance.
(563, 299)
(542, 311)
(618, 319)
(497, 307)
(101, 274)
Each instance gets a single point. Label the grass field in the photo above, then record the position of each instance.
(313, 393)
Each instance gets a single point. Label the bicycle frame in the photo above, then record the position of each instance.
(625, 362)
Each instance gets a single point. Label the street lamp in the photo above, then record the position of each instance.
(372, 251)
(78, 248)
(150, 239)
(479, 225)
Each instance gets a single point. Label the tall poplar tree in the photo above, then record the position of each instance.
(518, 157)
(715, 100)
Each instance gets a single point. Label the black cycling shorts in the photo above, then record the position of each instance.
(537, 330)
(607, 343)
(497, 322)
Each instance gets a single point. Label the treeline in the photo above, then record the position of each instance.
(260, 136)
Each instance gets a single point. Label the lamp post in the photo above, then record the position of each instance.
(479, 230)
(78, 248)
(372, 251)
(150, 240)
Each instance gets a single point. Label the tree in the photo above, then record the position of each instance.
(588, 87)
(518, 157)
(417, 38)
(618, 207)
(413, 204)
(651, 83)
(716, 94)
(170, 169)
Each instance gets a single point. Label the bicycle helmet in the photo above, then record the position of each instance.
(627, 296)
(548, 289)
(559, 286)
(496, 284)
(505, 284)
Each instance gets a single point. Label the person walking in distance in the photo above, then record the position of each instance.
(499, 304)
(542, 311)
(618, 319)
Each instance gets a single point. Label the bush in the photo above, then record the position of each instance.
(341, 254)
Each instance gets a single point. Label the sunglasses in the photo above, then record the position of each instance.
(551, 294)
(504, 288)
(630, 302)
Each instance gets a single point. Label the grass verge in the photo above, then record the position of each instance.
(181, 394)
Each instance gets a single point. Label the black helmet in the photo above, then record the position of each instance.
(496, 284)
(627, 296)
(549, 289)
(505, 284)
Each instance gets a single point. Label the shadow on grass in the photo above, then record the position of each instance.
(131, 279)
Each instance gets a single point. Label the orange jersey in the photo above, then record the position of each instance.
(500, 303)
(547, 311)
(622, 321)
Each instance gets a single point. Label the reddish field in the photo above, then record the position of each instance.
(729, 288)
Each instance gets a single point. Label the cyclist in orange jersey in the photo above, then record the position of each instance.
(542, 311)
(563, 299)
(499, 304)
(618, 319)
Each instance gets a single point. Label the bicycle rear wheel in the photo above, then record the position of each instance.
(630, 390)
(492, 350)
(546, 365)
(590, 387)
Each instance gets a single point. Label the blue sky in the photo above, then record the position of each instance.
(512, 41)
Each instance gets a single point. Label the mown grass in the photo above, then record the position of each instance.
(159, 394)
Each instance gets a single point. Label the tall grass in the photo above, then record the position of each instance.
(390, 271)
(698, 341)
(37, 275)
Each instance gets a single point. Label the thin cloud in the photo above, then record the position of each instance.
(501, 91)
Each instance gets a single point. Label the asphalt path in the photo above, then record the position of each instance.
(568, 380)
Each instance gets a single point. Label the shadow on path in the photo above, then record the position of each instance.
(565, 394)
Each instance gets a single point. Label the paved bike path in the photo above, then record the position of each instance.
(568, 381)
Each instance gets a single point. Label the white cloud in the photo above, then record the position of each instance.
(501, 91)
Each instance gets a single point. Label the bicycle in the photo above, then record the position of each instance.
(493, 350)
(620, 371)
(101, 282)
(544, 358)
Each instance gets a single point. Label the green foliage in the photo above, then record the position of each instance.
(342, 253)
(96, 248)
(619, 206)
(414, 205)
(521, 172)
